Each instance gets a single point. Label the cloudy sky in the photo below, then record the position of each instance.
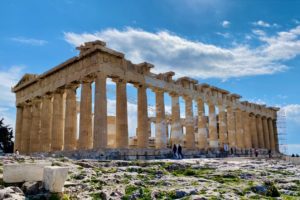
(247, 47)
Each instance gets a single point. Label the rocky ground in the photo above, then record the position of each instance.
(230, 178)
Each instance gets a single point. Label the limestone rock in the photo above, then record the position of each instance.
(11, 193)
(54, 178)
(16, 173)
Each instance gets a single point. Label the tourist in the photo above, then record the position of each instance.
(270, 153)
(180, 155)
(256, 152)
(174, 151)
(17, 152)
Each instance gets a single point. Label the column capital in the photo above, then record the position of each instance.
(174, 94)
(187, 97)
(72, 86)
(118, 80)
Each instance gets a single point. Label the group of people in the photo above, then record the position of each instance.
(177, 151)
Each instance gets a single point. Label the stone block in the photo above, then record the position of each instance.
(21, 172)
(54, 178)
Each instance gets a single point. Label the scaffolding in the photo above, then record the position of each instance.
(282, 134)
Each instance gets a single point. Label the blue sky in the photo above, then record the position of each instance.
(247, 47)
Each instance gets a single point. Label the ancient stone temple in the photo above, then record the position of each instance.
(47, 109)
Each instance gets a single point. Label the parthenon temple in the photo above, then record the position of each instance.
(49, 117)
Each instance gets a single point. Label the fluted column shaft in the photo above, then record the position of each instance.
(239, 129)
(160, 125)
(271, 135)
(202, 126)
(231, 127)
(26, 128)
(46, 123)
(222, 126)
(70, 141)
(259, 124)
(189, 123)
(176, 129)
(213, 135)
(121, 115)
(35, 127)
(85, 122)
(57, 138)
(254, 134)
(18, 132)
(247, 130)
(266, 133)
(100, 110)
(142, 125)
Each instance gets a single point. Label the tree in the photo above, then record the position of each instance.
(6, 136)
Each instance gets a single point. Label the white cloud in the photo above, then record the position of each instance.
(264, 24)
(292, 112)
(226, 24)
(193, 58)
(8, 77)
(30, 41)
(225, 35)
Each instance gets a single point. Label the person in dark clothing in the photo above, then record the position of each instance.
(256, 152)
(174, 151)
(231, 151)
(270, 153)
(180, 155)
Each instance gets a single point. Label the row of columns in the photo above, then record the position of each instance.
(50, 124)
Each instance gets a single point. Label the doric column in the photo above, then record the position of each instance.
(46, 123)
(276, 134)
(18, 132)
(57, 138)
(213, 134)
(247, 130)
(100, 110)
(254, 134)
(85, 122)
(202, 126)
(266, 133)
(259, 124)
(160, 124)
(142, 112)
(189, 123)
(35, 126)
(26, 128)
(70, 141)
(121, 115)
(222, 126)
(271, 134)
(176, 129)
(231, 127)
(239, 129)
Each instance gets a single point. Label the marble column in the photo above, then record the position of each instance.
(222, 125)
(18, 132)
(160, 124)
(57, 137)
(142, 112)
(259, 124)
(254, 134)
(239, 130)
(85, 121)
(202, 126)
(271, 134)
(212, 124)
(100, 110)
(121, 115)
(70, 137)
(231, 127)
(189, 124)
(26, 128)
(46, 123)
(35, 127)
(176, 129)
(266, 133)
(247, 130)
